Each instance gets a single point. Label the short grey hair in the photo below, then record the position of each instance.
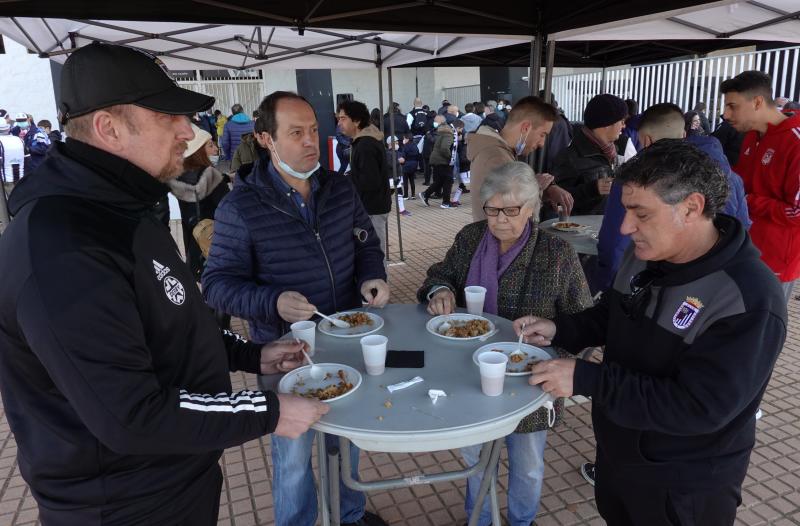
(515, 180)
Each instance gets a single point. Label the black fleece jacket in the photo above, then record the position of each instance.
(674, 401)
(114, 374)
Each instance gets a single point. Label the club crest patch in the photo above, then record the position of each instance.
(686, 313)
(767, 156)
(175, 291)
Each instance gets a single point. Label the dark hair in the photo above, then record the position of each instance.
(658, 115)
(44, 124)
(255, 114)
(633, 107)
(674, 169)
(687, 120)
(357, 111)
(751, 84)
(458, 123)
(267, 121)
(479, 108)
(469, 107)
(375, 117)
(217, 113)
(425, 107)
(533, 108)
(236, 108)
(700, 106)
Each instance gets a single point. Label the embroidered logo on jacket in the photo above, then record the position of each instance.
(686, 313)
(767, 156)
(172, 287)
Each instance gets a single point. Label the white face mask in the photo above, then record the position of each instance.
(520, 146)
(214, 159)
(499, 106)
(435, 124)
(291, 171)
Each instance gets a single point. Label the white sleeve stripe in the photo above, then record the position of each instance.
(223, 408)
(249, 396)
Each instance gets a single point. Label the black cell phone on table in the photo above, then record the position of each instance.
(405, 359)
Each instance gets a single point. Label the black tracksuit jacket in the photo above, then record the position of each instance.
(114, 374)
(674, 401)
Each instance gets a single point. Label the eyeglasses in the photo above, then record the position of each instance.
(641, 283)
(508, 211)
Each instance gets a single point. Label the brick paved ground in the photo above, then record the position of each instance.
(771, 491)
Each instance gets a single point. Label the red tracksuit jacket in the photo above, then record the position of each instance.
(770, 169)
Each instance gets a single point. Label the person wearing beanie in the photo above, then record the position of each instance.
(586, 168)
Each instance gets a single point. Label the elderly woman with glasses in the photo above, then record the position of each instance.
(525, 271)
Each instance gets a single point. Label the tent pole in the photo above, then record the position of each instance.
(534, 74)
(603, 81)
(379, 65)
(394, 168)
(548, 88)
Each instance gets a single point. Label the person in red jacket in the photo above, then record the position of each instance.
(769, 164)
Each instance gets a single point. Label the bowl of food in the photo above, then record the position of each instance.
(361, 324)
(569, 226)
(519, 363)
(338, 381)
(460, 327)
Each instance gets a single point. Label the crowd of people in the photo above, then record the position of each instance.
(115, 353)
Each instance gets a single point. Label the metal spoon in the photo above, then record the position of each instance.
(334, 321)
(316, 372)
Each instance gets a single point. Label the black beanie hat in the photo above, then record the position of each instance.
(604, 110)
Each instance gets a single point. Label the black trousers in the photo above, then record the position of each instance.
(625, 502)
(442, 182)
(408, 178)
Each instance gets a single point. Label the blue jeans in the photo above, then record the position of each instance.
(293, 491)
(525, 475)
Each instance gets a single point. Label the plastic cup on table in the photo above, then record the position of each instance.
(493, 372)
(475, 296)
(306, 331)
(374, 349)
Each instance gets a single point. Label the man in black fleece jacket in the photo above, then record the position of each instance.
(692, 327)
(114, 374)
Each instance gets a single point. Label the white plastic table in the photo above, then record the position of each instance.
(412, 423)
(582, 242)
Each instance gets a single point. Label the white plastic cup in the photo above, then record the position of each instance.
(374, 349)
(475, 296)
(306, 331)
(493, 372)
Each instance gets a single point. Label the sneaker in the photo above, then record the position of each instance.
(405, 198)
(369, 519)
(455, 204)
(587, 470)
(424, 199)
(413, 197)
(444, 206)
(405, 213)
(465, 190)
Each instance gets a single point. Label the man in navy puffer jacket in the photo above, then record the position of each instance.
(237, 125)
(285, 245)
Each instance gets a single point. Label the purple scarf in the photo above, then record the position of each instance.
(488, 265)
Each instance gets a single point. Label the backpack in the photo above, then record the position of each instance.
(419, 122)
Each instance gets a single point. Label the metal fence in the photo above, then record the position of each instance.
(683, 82)
(249, 93)
(462, 95)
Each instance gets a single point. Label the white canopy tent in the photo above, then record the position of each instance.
(184, 46)
(766, 20)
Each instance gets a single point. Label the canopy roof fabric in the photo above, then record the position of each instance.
(591, 54)
(408, 16)
(209, 46)
(770, 20)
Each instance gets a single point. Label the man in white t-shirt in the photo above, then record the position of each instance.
(12, 165)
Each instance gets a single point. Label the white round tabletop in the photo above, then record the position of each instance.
(584, 241)
(407, 420)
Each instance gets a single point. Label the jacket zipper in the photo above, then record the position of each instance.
(315, 231)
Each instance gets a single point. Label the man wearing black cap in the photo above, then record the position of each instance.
(585, 169)
(114, 376)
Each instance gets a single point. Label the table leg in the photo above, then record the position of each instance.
(486, 481)
(324, 487)
(333, 484)
(494, 505)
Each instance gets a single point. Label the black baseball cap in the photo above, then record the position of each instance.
(101, 75)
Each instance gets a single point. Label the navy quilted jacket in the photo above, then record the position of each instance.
(262, 247)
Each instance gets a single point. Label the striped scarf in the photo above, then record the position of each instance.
(608, 148)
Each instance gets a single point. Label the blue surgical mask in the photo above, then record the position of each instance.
(499, 106)
(435, 124)
(291, 171)
(520, 147)
(23, 124)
